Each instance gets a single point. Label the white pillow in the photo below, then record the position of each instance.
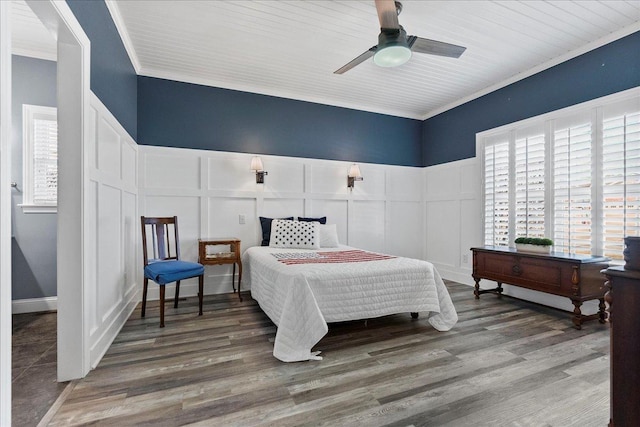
(294, 234)
(328, 236)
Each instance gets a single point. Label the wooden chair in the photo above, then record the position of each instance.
(165, 265)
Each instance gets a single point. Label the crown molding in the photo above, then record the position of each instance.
(35, 53)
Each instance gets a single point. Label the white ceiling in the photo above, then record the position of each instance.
(291, 48)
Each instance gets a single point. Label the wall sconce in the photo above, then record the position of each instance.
(353, 176)
(256, 165)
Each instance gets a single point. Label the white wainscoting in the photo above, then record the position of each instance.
(452, 217)
(453, 223)
(209, 190)
(112, 227)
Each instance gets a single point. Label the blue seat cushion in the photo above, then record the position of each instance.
(163, 272)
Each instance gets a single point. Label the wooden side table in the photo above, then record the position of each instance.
(219, 251)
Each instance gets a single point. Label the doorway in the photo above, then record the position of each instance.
(34, 218)
(73, 113)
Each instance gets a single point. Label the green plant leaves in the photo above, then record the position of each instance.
(534, 241)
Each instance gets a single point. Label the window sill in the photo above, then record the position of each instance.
(39, 209)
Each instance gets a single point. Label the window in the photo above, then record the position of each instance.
(571, 175)
(620, 180)
(529, 185)
(40, 158)
(496, 188)
(572, 180)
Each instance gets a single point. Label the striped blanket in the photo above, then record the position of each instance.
(333, 257)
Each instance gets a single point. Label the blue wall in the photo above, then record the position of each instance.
(176, 114)
(33, 236)
(113, 78)
(611, 68)
(167, 113)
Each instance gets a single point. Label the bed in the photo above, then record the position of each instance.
(302, 290)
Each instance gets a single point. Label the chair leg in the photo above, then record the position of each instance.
(162, 306)
(144, 296)
(175, 299)
(200, 291)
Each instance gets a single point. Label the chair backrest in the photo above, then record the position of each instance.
(161, 243)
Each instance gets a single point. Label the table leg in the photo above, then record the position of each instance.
(577, 314)
(239, 279)
(476, 290)
(602, 314)
(233, 277)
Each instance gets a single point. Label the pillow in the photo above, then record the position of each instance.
(295, 234)
(322, 220)
(329, 236)
(265, 223)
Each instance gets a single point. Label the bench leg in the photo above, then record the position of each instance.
(577, 314)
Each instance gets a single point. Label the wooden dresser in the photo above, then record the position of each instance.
(576, 277)
(624, 302)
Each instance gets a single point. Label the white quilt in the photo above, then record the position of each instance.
(302, 299)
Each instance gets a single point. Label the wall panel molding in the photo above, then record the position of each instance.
(453, 221)
(112, 204)
(382, 213)
(452, 216)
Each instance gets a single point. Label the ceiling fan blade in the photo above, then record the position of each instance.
(387, 14)
(368, 54)
(434, 47)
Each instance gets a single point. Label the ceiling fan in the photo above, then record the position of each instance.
(394, 46)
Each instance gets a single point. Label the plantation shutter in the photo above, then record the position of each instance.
(620, 181)
(496, 188)
(530, 186)
(572, 189)
(45, 162)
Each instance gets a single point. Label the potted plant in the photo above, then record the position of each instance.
(534, 244)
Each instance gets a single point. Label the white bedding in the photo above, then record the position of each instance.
(302, 299)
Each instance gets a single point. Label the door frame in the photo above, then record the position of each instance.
(5, 213)
(74, 131)
(73, 115)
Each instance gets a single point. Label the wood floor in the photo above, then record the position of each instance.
(33, 367)
(506, 363)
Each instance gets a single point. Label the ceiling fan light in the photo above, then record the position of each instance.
(392, 56)
(393, 49)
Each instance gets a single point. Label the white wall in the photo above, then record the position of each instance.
(453, 224)
(453, 217)
(112, 229)
(34, 237)
(433, 213)
(208, 190)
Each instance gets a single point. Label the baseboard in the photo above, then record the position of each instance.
(459, 274)
(34, 305)
(111, 331)
(186, 290)
(213, 285)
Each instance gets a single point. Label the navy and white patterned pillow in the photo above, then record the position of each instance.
(295, 234)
